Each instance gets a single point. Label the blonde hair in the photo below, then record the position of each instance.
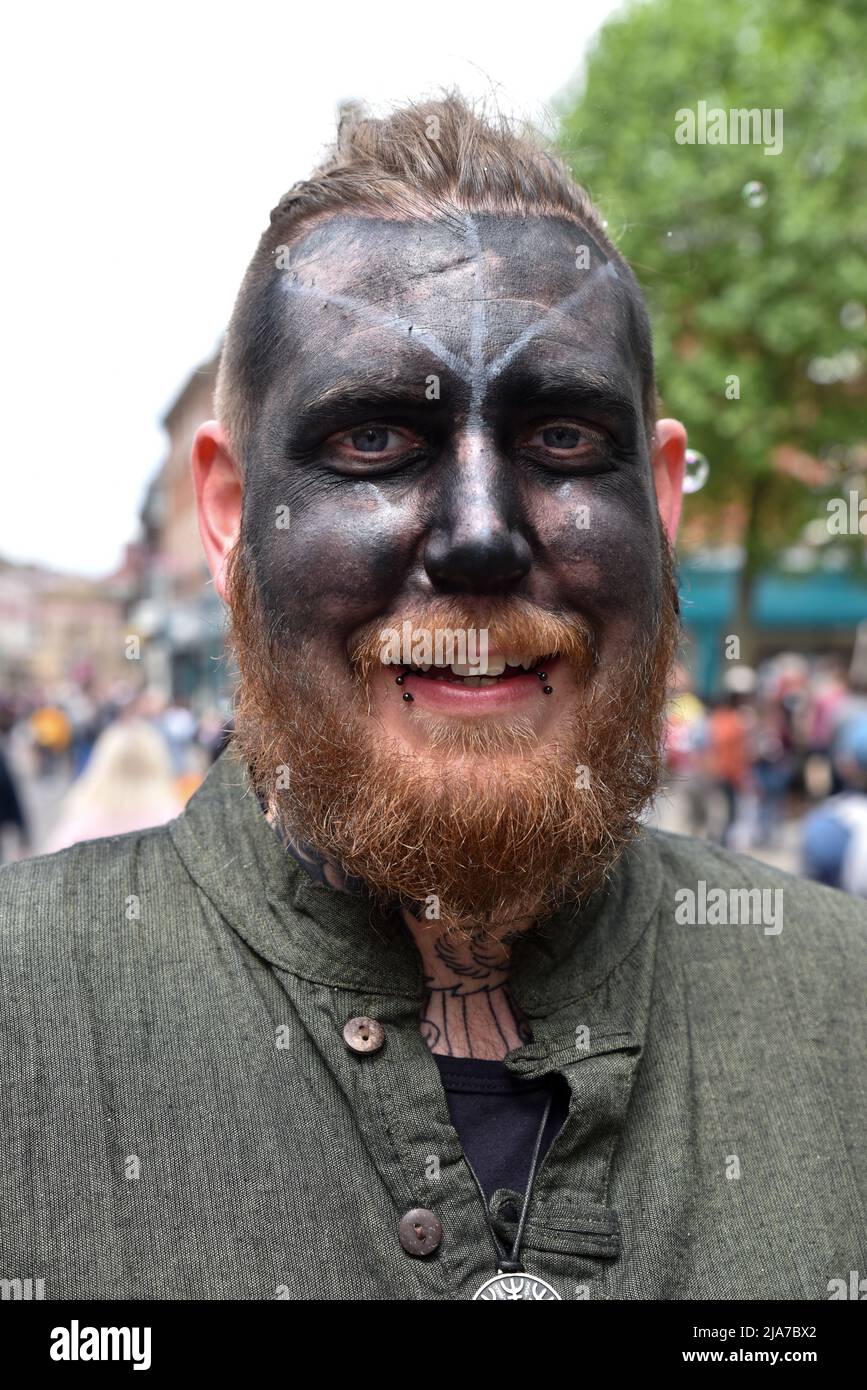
(129, 765)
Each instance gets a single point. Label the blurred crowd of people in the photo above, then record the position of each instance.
(77, 763)
(780, 746)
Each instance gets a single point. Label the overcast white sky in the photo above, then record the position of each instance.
(145, 147)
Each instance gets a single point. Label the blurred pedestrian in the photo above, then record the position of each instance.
(686, 736)
(727, 756)
(128, 784)
(51, 732)
(773, 768)
(11, 811)
(178, 725)
(834, 836)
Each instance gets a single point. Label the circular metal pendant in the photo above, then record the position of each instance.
(512, 1288)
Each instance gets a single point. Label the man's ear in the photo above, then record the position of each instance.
(217, 480)
(668, 460)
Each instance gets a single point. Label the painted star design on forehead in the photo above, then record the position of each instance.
(475, 372)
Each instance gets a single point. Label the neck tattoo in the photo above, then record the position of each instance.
(469, 1010)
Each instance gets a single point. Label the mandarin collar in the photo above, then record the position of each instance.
(346, 941)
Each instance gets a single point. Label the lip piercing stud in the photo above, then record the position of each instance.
(406, 695)
(547, 690)
(543, 675)
(399, 680)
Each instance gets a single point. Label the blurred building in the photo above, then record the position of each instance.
(56, 627)
(814, 613)
(812, 601)
(178, 614)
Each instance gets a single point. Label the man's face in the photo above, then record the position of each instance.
(528, 475)
(454, 436)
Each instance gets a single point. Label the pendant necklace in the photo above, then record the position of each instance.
(512, 1283)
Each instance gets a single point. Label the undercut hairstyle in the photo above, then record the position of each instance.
(435, 159)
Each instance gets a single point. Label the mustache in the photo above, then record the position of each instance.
(513, 625)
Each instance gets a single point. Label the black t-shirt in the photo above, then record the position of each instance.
(497, 1117)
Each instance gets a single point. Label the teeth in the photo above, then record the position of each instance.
(483, 680)
(496, 666)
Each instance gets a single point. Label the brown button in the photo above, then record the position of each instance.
(364, 1035)
(420, 1232)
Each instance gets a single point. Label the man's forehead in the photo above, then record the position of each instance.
(540, 256)
(473, 292)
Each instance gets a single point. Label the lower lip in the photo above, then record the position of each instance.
(478, 699)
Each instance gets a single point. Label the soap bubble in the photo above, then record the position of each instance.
(754, 194)
(696, 472)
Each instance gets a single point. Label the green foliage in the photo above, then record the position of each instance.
(734, 289)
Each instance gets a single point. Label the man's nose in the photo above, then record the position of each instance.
(478, 545)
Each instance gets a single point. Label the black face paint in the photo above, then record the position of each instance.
(488, 370)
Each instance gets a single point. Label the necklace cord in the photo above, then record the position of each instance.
(511, 1264)
(530, 1180)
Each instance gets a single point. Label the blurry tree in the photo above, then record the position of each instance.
(753, 264)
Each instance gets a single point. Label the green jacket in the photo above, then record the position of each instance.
(182, 1118)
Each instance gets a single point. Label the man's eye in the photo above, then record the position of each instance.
(560, 437)
(372, 440)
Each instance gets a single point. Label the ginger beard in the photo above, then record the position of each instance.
(491, 824)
